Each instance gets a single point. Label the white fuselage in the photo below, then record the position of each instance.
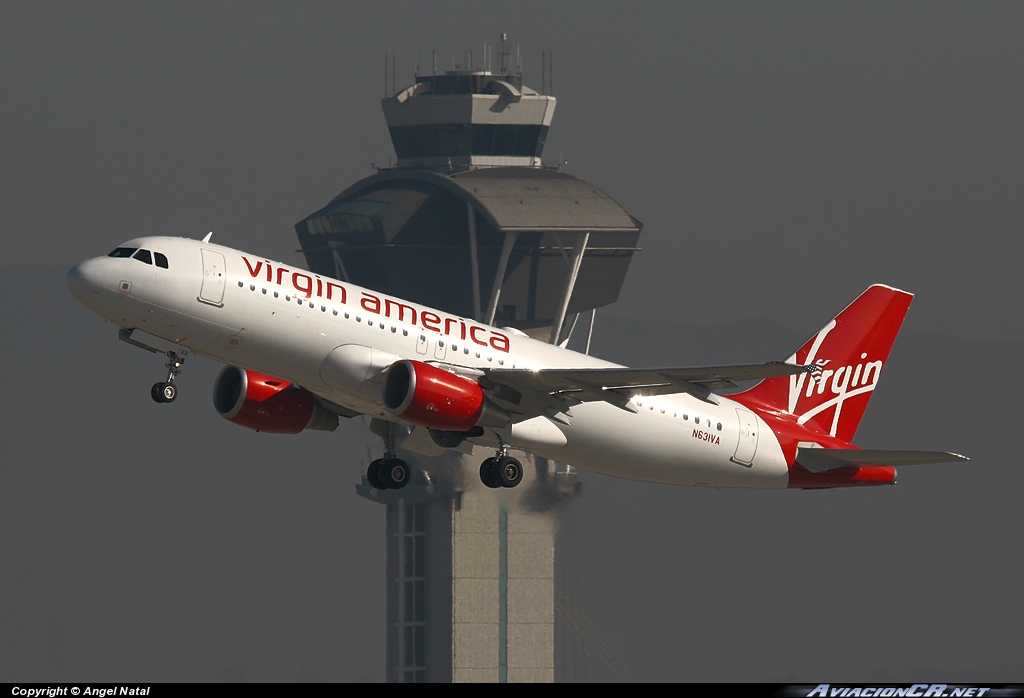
(335, 339)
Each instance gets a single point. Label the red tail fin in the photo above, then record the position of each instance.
(851, 351)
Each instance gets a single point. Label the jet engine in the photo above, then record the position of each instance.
(432, 397)
(268, 404)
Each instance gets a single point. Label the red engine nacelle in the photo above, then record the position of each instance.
(268, 404)
(432, 397)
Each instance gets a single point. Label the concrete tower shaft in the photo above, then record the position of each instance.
(472, 223)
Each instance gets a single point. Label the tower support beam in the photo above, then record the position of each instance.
(570, 284)
(474, 260)
(499, 275)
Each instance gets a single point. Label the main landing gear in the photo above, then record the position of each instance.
(502, 470)
(389, 472)
(167, 391)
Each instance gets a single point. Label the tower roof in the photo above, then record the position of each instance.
(513, 232)
(512, 199)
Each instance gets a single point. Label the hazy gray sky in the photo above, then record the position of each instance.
(782, 156)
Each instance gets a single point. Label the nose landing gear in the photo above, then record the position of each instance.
(167, 391)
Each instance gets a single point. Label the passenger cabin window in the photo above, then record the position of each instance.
(143, 256)
(123, 252)
(161, 261)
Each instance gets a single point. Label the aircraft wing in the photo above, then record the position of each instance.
(820, 459)
(617, 385)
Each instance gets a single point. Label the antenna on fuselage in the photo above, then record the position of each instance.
(208, 236)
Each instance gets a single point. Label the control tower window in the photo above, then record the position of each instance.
(348, 217)
(452, 139)
(441, 140)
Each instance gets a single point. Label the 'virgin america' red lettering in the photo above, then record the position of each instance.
(313, 285)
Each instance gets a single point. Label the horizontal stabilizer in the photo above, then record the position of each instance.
(819, 460)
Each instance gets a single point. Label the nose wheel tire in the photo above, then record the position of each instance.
(163, 392)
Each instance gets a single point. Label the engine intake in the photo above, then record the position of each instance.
(269, 404)
(432, 397)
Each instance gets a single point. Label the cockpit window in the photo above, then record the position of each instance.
(123, 252)
(161, 260)
(143, 256)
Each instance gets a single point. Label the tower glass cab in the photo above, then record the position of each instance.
(464, 119)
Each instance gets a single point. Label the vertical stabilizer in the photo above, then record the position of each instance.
(850, 352)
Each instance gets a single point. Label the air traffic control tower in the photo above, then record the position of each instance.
(470, 221)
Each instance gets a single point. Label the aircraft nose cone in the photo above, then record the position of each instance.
(84, 281)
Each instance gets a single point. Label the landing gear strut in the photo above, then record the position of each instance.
(502, 470)
(389, 472)
(167, 391)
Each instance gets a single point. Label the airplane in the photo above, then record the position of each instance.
(302, 350)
